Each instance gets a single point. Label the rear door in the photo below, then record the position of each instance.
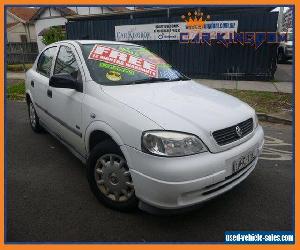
(65, 105)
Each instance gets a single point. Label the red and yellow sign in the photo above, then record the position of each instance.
(116, 57)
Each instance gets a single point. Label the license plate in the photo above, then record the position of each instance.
(243, 161)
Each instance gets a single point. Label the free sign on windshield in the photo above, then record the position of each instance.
(116, 57)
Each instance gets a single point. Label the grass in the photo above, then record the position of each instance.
(16, 91)
(18, 67)
(263, 102)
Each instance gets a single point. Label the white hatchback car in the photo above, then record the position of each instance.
(149, 135)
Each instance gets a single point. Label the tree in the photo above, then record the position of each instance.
(54, 34)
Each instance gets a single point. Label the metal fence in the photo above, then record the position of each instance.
(196, 60)
(21, 52)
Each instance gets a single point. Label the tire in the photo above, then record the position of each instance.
(33, 118)
(109, 177)
(281, 57)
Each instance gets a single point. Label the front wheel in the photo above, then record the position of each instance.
(109, 177)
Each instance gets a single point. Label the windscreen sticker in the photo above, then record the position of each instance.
(113, 76)
(164, 66)
(116, 57)
(129, 51)
(116, 68)
(144, 53)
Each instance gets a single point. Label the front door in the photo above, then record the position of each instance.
(65, 105)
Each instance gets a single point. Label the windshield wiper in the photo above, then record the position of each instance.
(152, 79)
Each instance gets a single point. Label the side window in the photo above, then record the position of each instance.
(45, 61)
(66, 63)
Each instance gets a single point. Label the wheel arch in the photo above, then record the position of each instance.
(98, 131)
(28, 97)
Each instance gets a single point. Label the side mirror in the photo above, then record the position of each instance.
(65, 81)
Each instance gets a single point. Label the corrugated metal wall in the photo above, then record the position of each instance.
(195, 60)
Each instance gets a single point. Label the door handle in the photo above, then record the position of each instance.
(32, 84)
(49, 93)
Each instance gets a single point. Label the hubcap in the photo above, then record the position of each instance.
(113, 178)
(32, 115)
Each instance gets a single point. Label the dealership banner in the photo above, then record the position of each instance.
(171, 31)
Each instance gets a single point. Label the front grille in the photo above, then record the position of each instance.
(228, 135)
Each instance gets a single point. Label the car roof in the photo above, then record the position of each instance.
(97, 41)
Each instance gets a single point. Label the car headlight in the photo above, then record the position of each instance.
(255, 121)
(171, 144)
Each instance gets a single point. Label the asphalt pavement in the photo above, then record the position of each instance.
(48, 198)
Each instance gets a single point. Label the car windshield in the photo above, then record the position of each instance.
(119, 64)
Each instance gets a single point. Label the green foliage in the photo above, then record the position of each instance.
(263, 102)
(16, 91)
(54, 34)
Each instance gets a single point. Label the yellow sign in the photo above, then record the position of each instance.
(113, 76)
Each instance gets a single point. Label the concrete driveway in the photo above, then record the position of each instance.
(284, 72)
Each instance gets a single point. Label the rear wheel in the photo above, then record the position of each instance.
(109, 177)
(33, 118)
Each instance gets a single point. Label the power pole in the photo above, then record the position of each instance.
(280, 19)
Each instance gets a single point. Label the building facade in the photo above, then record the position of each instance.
(19, 27)
(57, 16)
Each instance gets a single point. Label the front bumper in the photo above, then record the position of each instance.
(179, 182)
